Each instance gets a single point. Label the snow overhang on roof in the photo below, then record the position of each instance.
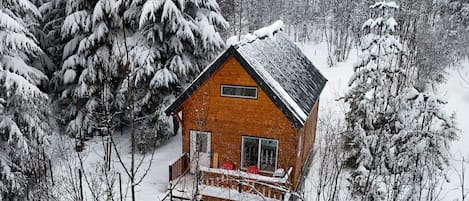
(278, 66)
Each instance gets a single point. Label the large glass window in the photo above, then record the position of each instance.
(268, 159)
(250, 151)
(259, 152)
(238, 91)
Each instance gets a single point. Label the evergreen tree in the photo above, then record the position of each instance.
(372, 95)
(398, 137)
(53, 12)
(419, 148)
(91, 68)
(172, 41)
(152, 46)
(23, 105)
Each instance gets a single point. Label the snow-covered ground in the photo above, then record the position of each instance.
(457, 94)
(152, 187)
(338, 78)
(155, 183)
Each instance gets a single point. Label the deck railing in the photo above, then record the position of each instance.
(179, 167)
(264, 186)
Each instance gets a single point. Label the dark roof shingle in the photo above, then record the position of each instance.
(286, 64)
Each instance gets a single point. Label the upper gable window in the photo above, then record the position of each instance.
(239, 91)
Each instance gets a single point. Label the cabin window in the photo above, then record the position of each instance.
(239, 91)
(259, 152)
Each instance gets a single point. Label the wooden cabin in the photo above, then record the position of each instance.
(252, 113)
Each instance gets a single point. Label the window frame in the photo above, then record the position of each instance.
(238, 86)
(259, 153)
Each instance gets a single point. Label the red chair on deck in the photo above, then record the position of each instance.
(252, 169)
(227, 166)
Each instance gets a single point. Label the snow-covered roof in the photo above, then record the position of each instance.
(278, 66)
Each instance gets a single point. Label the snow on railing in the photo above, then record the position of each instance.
(239, 173)
(179, 167)
(264, 186)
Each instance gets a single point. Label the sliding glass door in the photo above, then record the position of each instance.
(259, 152)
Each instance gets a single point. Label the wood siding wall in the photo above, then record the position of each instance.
(228, 119)
(308, 137)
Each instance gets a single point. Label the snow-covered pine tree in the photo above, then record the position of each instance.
(173, 41)
(91, 67)
(76, 25)
(398, 136)
(23, 105)
(372, 97)
(53, 15)
(419, 149)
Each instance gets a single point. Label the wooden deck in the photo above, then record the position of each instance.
(221, 184)
(261, 187)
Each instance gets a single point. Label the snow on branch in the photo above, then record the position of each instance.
(69, 76)
(7, 22)
(18, 66)
(75, 22)
(20, 86)
(102, 9)
(210, 37)
(163, 78)
(391, 24)
(19, 42)
(384, 4)
(149, 11)
(170, 10)
(26, 5)
(371, 23)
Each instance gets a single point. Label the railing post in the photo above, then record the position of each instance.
(170, 191)
(170, 173)
(240, 185)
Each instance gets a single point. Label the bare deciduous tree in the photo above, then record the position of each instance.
(327, 180)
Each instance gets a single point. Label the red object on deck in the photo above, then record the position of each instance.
(227, 166)
(253, 169)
